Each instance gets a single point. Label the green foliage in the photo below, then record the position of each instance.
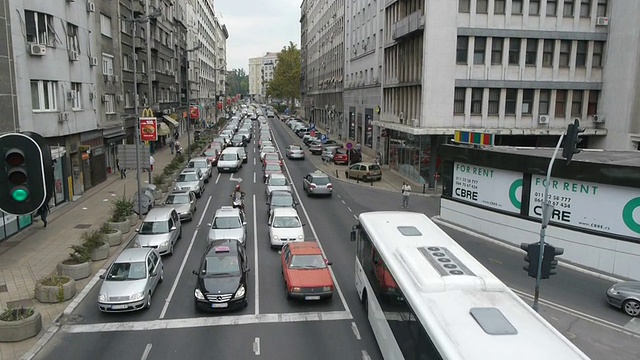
(92, 239)
(286, 76)
(79, 255)
(16, 314)
(121, 209)
(159, 179)
(106, 228)
(237, 82)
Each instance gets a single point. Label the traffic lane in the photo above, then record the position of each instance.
(570, 288)
(95, 346)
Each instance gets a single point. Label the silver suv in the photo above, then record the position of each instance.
(228, 223)
(317, 183)
(191, 180)
(161, 229)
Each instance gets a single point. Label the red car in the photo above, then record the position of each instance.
(306, 272)
(213, 153)
(271, 157)
(341, 157)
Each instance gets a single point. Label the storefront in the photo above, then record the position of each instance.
(60, 190)
(93, 157)
(112, 137)
(409, 154)
(12, 224)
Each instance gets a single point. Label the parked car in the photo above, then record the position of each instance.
(346, 156)
(184, 203)
(161, 229)
(191, 180)
(213, 153)
(294, 152)
(625, 295)
(130, 281)
(228, 223)
(315, 147)
(204, 165)
(305, 271)
(277, 181)
(285, 226)
(222, 277)
(364, 171)
(147, 200)
(317, 183)
(280, 198)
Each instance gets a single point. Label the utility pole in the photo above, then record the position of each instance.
(186, 60)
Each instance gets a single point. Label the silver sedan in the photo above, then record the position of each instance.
(295, 152)
(625, 295)
(184, 202)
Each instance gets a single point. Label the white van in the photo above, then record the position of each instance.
(230, 160)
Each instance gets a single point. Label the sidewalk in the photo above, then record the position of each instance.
(34, 253)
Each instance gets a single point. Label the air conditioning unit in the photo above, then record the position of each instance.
(37, 49)
(105, 98)
(63, 116)
(93, 61)
(415, 122)
(71, 95)
(109, 78)
(73, 55)
(598, 119)
(116, 79)
(91, 7)
(93, 95)
(602, 21)
(120, 98)
(543, 119)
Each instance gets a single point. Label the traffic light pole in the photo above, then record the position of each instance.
(135, 110)
(547, 210)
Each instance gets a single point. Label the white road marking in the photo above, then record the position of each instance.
(355, 217)
(254, 162)
(254, 178)
(255, 257)
(184, 262)
(218, 178)
(348, 208)
(187, 323)
(343, 202)
(256, 346)
(146, 352)
(354, 328)
(365, 355)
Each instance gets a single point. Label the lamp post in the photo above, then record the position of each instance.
(186, 61)
(156, 13)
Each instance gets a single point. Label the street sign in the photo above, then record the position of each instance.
(127, 156)
(312, 127)
(312, 133)
(349, 145)
(323, 138)
(148, 129)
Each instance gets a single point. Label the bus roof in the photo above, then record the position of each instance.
(466, 310)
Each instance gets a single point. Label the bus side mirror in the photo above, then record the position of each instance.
(353, 235)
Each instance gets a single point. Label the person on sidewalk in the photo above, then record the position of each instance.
(43, 211)
(406, 190)
(152, 162)
(171, 145)
(121, 169)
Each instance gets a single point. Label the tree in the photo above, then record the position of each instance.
(286, 76)
(237, 82)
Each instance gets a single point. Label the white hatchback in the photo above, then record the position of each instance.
(285, 226)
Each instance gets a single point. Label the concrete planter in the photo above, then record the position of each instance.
(114, 238)
(74, 271)
(21, 329)
(101, 252)
(55, 293)
(123, 226)
(158, 194)
(133, 220)
(164, 187)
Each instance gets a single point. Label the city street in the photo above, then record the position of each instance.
(273, 327)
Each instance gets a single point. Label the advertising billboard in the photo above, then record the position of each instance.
(494, 188)
(148, 129)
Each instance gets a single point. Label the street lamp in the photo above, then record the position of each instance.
(155, 14)
(186, 61)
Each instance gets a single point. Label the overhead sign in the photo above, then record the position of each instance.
(127, 156)
(349, 145)
(474, 138)
(148, 129)
(323, 138)
(607, 208)
(494, 188)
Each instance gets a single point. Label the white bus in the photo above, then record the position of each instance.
(428, 298)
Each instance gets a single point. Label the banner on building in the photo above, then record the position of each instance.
(494, 188)
(194, 112)
(352, 123)
(148, 129)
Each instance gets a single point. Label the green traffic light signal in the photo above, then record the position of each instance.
(20, 194)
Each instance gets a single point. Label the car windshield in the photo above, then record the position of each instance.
(154, 227)
(294, 148)
(374, 167)
(272, 156)
(321, 180)
(227, 222)
(229, 157)
(278, 181)
(221, 265)
(127, 271)
(272, 167)
(307, 262)
(187, 177)
(286, 222)
(238, 138)
(212, 152)
(198, 164)
(268, 149)
(282, 200)
(178, 199)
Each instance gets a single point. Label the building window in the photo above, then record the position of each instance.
(462, 49)
(494, 102)
(547, 52)
(482, 6)
(107, 64)
(552, 7)
(458, 100)
(585, 8)
(516, 7)
(532, 52)
(598, 50)
(109, 104)
(43, 95)
(592, 107)
(581, 53)
(499, 6)
(601, 9)
(543, 104)
(125, 62)
(561, 103)
(476, 101)
(576, 103)
(565, 52)
(39, 28)
(514, 51)
(127, 99)
(510, 102)
(497, 45)
(105, 25)
(527, 101)
(72, 38)
(567, 10)
(534, 7)
(124, 26)
(77, 96)
(479, 50)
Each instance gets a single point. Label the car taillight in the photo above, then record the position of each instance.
(330, 186)
(368, 174)
(312, 186)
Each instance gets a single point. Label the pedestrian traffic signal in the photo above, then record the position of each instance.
(533, 252)
(549, 263)
(571, 140)
(22, 175)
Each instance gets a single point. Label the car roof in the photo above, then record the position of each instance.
(189, 170)
(281, 193)
(227, 211)
(199, 158)
(366, 163)
(133, 255)
(285, 211)
(231, 244)
(179, 192)
(158, 214)
(318, 173)
(277, 175)
(272, 153)
(305, 248)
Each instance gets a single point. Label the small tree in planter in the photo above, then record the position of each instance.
(112, 235)
(95, 243)
(161, 182)
(78, 265)
(121, 211)
(55, 289)
(17, 324)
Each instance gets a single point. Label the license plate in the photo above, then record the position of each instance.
(312, 297)
(226, 169)
(119, 306)
(219, 305)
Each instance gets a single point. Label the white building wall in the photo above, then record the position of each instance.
(255, 74)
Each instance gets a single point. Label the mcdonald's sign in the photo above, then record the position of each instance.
(194, 112)
(148, 126)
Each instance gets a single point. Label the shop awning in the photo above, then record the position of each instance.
(163, 129)
(169, 120)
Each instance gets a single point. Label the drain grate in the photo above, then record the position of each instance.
(82, 226)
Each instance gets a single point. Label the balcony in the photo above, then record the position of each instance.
(410, 24)
(139, 43)
(137, 7)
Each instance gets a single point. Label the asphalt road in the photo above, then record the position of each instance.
(273, 327)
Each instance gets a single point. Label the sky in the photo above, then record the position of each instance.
(257, 26)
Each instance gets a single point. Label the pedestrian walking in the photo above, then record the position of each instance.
(176, 135)
(171, 145)
(152, 161)
(378, 157)
(121, 169)
(43, 211)
(406, 190)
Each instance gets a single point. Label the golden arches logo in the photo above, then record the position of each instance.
(147, 113)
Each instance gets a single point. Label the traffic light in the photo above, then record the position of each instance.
(23, 184)
(549, 263)
(533, 252)
(571, 140)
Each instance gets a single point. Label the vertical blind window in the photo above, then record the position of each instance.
(497, 45)
(532, 51)
(494, 102)
(476, 101)
(534, 7)
(576, 103)
(581, 53)
(565, 52)
(547, 52)
(510, 102)
(592, 107)
(479, 50)
(561, 102)
(514, 51)
(543, 104)
(458, 100)
(527, 101)
(461, 50)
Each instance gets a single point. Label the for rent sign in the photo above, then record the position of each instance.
(606, 208)
(494, 188)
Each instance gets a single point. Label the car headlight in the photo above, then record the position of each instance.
(240, 293)
(195, 187)
(103, 297)
(198, 294)
(275, 237)
(137, 296)
(326, 288)
(295, 289)
(136, 243)
(164, 243)
(300, 237)
(613, 291)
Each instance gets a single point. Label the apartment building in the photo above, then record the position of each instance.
(323, 23)
(261, 72)
(220, 60)
(255, 78)
(269, 62)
